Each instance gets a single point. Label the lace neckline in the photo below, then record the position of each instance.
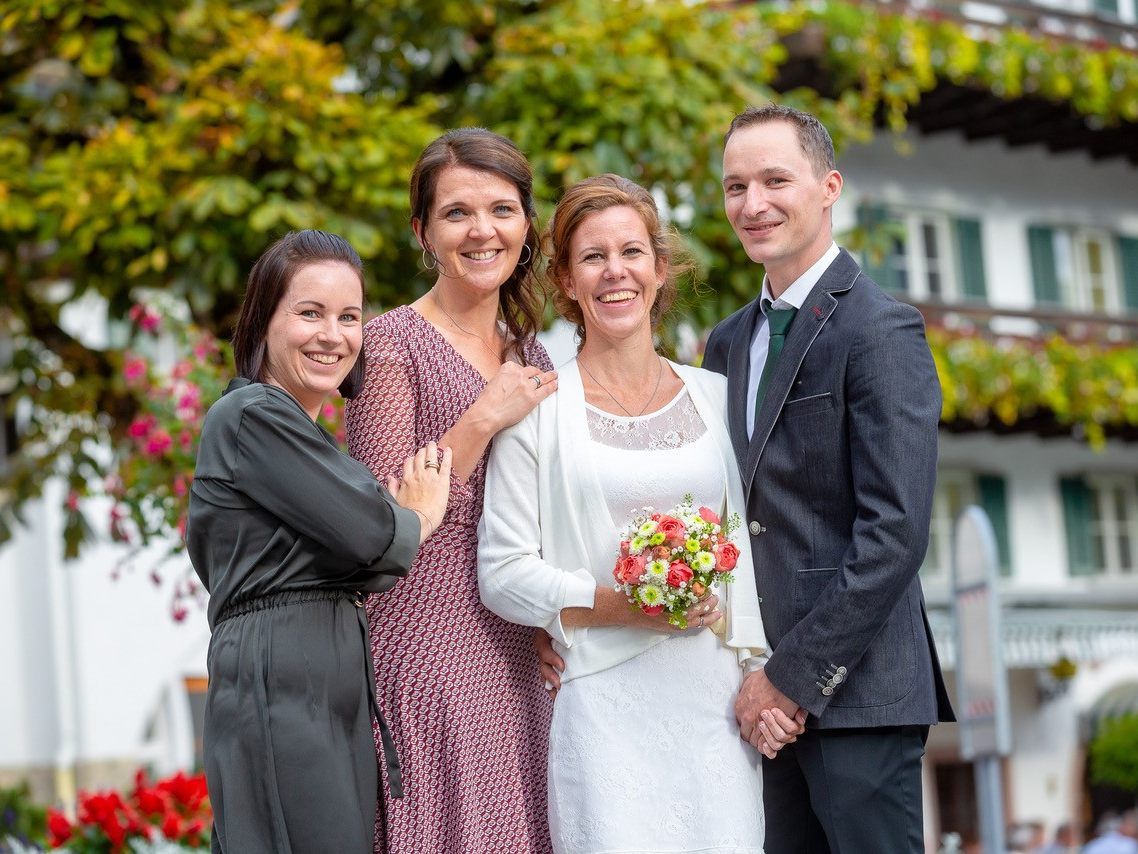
(604, 413)
(677, 424)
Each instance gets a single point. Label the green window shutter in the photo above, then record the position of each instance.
(1108, 8)
(970, 259)
(1077, 521)
(874, 218)
(1128, 270)
(993, 491)
(1041, 246)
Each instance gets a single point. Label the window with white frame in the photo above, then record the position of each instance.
(1114, 524)
(957, 489)
(1101, 516)
(1086, 269)
(928, 255)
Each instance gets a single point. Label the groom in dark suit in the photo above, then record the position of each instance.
(834, 406)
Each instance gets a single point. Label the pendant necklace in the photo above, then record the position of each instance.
(497, 355)
(601, 386)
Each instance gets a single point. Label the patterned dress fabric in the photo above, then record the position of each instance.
(460, 687)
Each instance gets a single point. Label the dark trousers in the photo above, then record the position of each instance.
(846, 791)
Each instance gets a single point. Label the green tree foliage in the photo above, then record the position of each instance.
(1114, 754)
(150, 151)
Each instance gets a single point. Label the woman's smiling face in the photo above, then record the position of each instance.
(476, 227)
(613, 273)
(315, 334)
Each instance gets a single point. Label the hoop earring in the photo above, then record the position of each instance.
(523, 261)
(424, 255)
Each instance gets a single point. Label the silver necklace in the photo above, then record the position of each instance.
(496, 354)
(600, 385)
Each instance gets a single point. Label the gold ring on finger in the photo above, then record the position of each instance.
(431, 464)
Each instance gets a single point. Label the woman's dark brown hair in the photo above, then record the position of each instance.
(519, 298)
(269, 280)
(600, 193)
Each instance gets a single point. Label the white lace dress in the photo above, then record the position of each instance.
(645, 756)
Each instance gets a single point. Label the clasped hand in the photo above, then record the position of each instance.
(768, 719)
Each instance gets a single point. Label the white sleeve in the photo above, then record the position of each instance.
(514, 580)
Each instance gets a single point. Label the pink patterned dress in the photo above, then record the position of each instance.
(460, 687)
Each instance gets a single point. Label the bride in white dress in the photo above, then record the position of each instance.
(644, 752)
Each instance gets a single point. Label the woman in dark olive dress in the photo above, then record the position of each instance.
(289, 534)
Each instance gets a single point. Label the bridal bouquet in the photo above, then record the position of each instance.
(668, 561)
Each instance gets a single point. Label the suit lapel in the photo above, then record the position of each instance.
(816, 310)
(738, 371)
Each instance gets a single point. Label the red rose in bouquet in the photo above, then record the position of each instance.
(726, 556)
(629, 569)
(672, 529)
(679, 573)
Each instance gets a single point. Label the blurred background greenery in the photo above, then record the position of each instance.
(150, 151)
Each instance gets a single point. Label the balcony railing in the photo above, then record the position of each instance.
(1090, 327)
(1090, 26)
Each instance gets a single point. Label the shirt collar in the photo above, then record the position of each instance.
(796, 294)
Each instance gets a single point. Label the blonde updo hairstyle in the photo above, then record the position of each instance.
(591, 196)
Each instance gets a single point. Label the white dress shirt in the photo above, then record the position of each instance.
(792, 297)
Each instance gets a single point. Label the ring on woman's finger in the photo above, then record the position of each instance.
(431, 464)
(536, 381)
(701, 621)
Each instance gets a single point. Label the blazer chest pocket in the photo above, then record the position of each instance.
(808, 405)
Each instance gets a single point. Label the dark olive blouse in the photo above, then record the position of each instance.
(275, 506)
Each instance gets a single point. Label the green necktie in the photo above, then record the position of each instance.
(779, 320)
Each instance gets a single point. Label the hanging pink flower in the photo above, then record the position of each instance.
(141, 426)
(204, 347)
(189, 401)
(145, 318)
(158, 443)
(134, 369)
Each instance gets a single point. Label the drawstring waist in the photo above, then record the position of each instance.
(288, 597)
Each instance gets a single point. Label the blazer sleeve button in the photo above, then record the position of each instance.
(827, 691)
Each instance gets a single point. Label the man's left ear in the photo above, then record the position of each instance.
(832, 186)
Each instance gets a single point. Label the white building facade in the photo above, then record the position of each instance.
(981, 226)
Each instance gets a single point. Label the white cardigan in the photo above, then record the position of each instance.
(546, 540)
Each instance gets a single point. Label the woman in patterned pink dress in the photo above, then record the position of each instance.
(460, 687)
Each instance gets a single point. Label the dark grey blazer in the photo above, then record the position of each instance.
(839, 478)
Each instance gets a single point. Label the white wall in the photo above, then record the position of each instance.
(91, 653)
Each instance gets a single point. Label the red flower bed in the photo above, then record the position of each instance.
(176, 809)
